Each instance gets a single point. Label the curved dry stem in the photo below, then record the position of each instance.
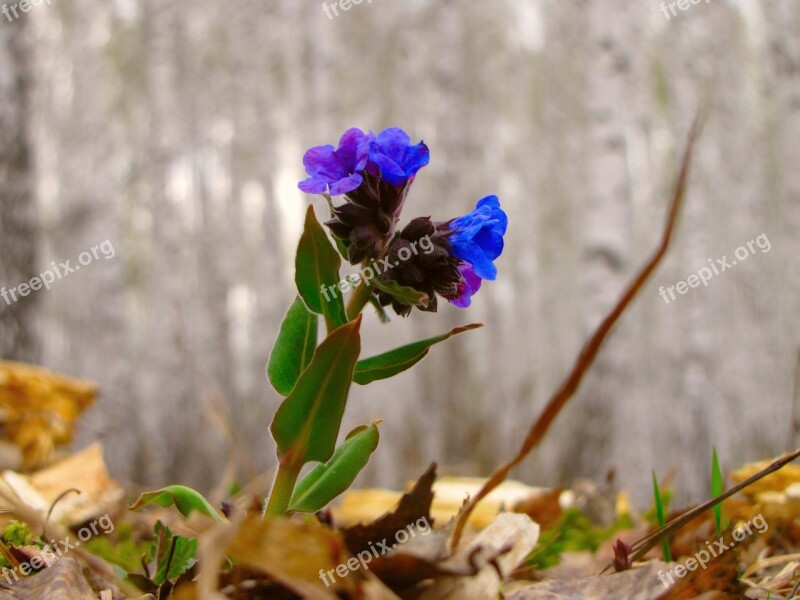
(590, 350)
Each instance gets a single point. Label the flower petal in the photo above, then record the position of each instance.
(393, 141)
(353, 149)
(348, 184)
(472, 283)
(312, 185)
(321, 159)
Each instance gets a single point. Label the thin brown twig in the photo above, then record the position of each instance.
(796, 587)
(589, 351)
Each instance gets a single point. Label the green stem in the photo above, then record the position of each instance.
(358, 301)
(282, 489)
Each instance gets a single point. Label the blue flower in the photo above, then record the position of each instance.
(393, 157)
(477, 237)
(339, 169)
(469, 287)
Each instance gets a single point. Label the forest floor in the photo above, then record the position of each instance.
(69, 532)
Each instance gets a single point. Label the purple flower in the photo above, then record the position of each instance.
(392, 156)
(339, 169)
(469, 287)
(477, 237)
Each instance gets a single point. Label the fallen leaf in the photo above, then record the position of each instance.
(412, 508)
(39, 409)
(720, 575)
(293, 553)
(494, 553)
(63, 581)
(84, 471)
(639, 583)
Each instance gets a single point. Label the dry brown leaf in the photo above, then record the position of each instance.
(774, 482)
(639, 583)
(416, 560)
(494, 553)
(39, 409)
(85, 471)
(358, 506)
(294, 554)
(544, 509)
(63, 581)
(721, 575)
(413, 507)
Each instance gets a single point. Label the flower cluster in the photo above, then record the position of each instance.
(374, 173)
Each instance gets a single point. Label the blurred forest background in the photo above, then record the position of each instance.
(176, 130)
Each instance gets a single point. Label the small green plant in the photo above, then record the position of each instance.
(169, 560)
(660, 515)
(574, 532)
(398, 267)
(18, 534)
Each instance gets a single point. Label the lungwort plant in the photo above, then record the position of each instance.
(365, 181)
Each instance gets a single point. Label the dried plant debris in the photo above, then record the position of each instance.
(554, 547)
(413, 507)
(74, 490)
(63, 581)
(39, 410)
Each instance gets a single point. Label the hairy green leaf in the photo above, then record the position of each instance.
(317, 270)
(400, 359)
(294, 347)
(401, 293)
(308, 421)
(325, 482)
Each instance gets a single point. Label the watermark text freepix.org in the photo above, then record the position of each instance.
(363, 558)
(57, 272)
(717, 266)
(51, 552)
(23, 5)
(713, 550)
(332, 10)
(368, 273)
(669, 8)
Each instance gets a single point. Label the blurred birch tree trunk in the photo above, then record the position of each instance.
(176, 130)
(18, 223)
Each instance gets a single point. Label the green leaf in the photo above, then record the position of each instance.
(401, 293)
(316, 269)
(325, 482)
(398, 360)
(341, 247)
(174, 554)
(308, 421)
(294, 347)
(185, 499)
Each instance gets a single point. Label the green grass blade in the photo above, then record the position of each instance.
(661, 518)
(717, 488)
